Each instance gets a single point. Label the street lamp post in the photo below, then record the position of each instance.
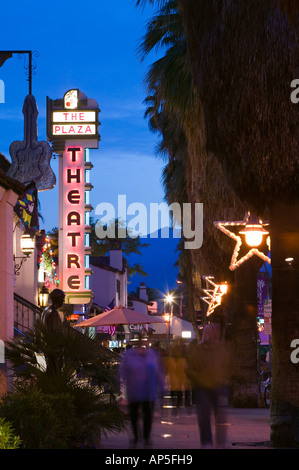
(180, 289)
(244, 313)
(167, 319)
(168, 316)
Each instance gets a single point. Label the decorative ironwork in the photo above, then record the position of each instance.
(19, 265)
(29, 66)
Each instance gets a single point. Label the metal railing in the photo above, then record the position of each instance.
(26, 315)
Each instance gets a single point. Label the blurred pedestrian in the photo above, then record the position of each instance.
(143, 379)
(175, 370)
(208, 369)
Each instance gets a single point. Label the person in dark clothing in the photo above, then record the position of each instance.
(209, 368)
(50, 316)
(52, 321)
(142, 374)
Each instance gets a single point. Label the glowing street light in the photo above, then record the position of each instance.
(223, 287)
(289, 262)
(27, 245)
(43, 297)
(214, 294)
(253, 231)
(169, 299)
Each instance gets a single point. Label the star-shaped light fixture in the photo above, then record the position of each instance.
(214, 294)
(254, 232)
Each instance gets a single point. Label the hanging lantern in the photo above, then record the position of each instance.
(253, 231)
(27, 244)
(43, 297)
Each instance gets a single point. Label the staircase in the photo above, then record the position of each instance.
(26, 315)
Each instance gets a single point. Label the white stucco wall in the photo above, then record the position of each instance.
(26, 282)
(8, 200)
(104, 286)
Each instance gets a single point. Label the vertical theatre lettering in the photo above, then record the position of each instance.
(74, 219)
(72, 134)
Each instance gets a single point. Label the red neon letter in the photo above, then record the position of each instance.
(73, 236)
(73, 259)
(74, 151)
(73, 282)
(73, 218)
(75, 176)
(73, 196)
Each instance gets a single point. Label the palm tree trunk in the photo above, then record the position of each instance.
(244, 384)
(285, 325)
(190, 290)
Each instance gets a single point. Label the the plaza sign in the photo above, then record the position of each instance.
(69, 118)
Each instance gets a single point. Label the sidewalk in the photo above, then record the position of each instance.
(246, 429)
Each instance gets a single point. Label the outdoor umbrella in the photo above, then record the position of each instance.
(119, 316)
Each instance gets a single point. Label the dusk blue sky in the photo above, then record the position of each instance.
(91, 46)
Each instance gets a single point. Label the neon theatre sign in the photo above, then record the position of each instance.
(73, 129)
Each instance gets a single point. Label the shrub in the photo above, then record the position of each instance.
(52, 408)
(8, 440)
(33, 415)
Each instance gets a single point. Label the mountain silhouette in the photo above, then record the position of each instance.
(158, 261)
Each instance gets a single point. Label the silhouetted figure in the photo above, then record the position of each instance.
(50, 316)
(143, 378)
(52, 320)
